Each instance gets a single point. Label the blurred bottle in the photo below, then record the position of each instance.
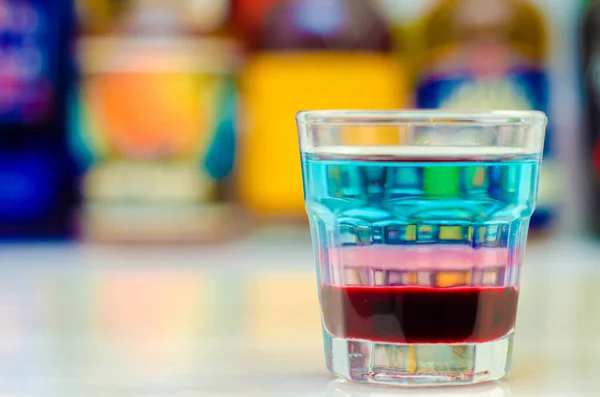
(37, 180)
(310, 54)
(99, 16)
(248, 16)
(490, 54)
(406, 20)
(590, 38)
(153, 123)
(153, 17)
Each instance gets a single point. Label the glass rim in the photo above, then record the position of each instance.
(422, 117)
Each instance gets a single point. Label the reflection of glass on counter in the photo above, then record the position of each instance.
(154, 126)
(345, 389)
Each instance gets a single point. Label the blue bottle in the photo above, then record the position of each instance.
(494, 60)
(37, 178)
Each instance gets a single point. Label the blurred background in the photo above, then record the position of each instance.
(149, 121)
(151, 208)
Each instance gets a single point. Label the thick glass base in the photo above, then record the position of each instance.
(414, 365)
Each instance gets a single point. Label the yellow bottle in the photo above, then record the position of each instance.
(313, 54)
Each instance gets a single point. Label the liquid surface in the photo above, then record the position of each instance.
(419, 314)
(410, 152)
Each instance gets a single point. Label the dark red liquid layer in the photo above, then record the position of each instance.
(401, 314)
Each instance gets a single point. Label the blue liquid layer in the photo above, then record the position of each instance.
(360, 200)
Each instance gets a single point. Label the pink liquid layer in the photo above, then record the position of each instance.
(423, 258)
(411, 314)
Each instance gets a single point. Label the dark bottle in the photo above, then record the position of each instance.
(248, 16)
(590, 40)
(37, 179)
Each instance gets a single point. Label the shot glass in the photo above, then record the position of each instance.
(419, 221)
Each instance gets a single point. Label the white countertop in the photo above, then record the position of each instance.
(242, 319)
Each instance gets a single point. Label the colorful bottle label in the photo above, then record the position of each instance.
(155, 141)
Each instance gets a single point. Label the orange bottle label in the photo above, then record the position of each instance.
(152, 116)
